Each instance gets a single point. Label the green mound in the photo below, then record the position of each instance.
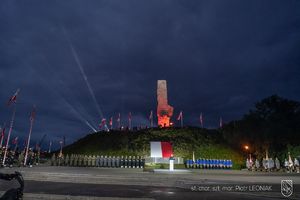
(203, 142)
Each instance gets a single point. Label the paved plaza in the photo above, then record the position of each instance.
(44, 182)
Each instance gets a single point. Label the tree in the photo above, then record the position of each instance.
(272, 125)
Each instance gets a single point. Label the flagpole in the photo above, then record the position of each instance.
(28, 141)
(16, 146)
(50, 144)
(129, 121)
(1, 141)
(151, 119)
(2, 137)
(151, 122)
(181, 119)
(119, 121)
(9, 132)
(60, 153)
(201, 120)
(111, 123)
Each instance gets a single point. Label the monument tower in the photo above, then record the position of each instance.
(164, 110)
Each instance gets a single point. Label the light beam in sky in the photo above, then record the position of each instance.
(67, 91)
(75, 112)
(74, 53)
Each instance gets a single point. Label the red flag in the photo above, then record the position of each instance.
(103, 123)
(13, 99)
(3, 132)
(201, 119)
(161, 149)
(111, 121)
(179, 116)
(129, 116)
(15, 141)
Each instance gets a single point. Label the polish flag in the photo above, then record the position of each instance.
(13, 99)
(111, 121)
(179, 116)
(201, 120)
(161, 149)
(15, 141)
(103, 123)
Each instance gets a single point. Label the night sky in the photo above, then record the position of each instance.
(219, 58)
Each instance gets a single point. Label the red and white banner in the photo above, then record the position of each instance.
(103, 123)
(161, 149)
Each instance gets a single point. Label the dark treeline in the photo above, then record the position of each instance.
(273, 126)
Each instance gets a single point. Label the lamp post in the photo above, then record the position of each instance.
(247, 149)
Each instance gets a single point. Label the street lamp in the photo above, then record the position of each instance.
(247, 149)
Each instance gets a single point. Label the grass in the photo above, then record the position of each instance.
(203, 142)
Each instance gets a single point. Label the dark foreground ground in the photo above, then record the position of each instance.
(108, 183)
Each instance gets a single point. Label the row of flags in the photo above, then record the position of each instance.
(103, 123)
(12, 102)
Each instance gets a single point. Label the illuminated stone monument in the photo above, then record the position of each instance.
(164, 110)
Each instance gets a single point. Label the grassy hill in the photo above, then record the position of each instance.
(205, 143)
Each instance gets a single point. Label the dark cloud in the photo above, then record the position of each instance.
(219, 57)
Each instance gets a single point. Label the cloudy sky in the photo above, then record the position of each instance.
(80, 60)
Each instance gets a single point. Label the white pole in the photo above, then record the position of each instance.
(50, 144)
(16, 146)
(129, 121)
(152, 122)
(10, 130)
(60, 153)
(28, 141)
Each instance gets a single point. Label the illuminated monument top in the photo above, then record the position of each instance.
(164, 110)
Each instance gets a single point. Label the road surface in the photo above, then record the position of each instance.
(44, 182)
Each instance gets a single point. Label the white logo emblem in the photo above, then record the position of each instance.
(286, 188)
